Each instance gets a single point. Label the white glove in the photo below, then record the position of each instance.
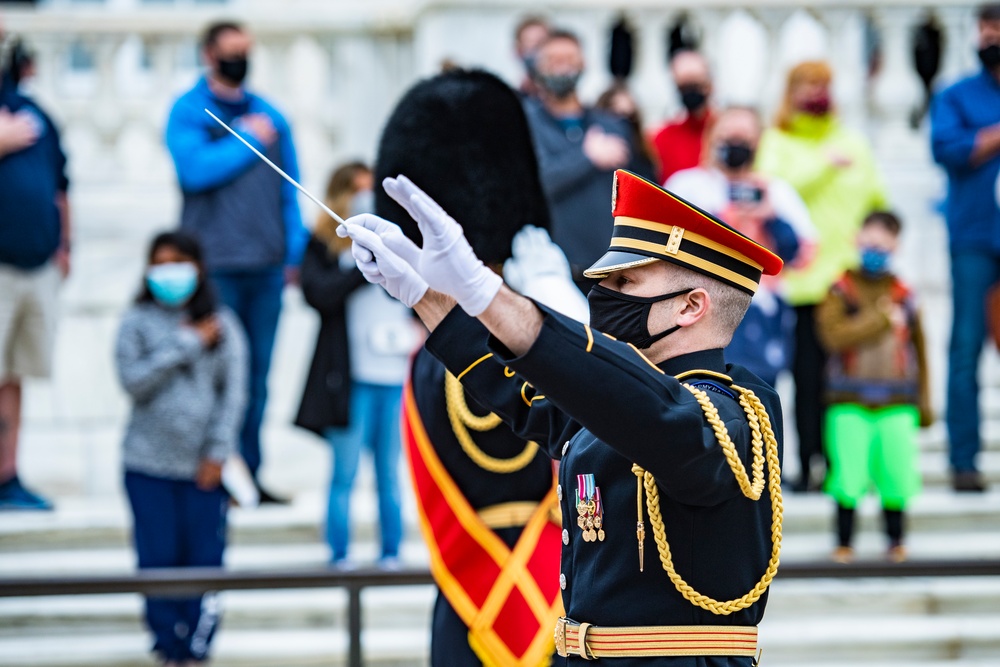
(380, 265)
(446, 260)
(538, 269)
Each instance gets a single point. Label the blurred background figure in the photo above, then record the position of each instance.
(965, 139)
(578, 149)
(352, 393)
(768, 210)
(678, 143)
(34, 255)
(834, 171)
(619, 101)
(245, 216)
(877, 387)
(531, 31)
(181, 358)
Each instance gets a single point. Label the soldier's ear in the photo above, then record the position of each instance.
(694, 306)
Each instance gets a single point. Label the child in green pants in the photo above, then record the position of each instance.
(876, 386)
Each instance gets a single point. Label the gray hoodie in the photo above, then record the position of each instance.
(188, 401)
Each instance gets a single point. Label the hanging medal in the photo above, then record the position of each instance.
(590, 513)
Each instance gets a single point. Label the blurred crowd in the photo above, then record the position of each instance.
(193, 351)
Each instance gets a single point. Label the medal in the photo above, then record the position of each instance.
(589, 509)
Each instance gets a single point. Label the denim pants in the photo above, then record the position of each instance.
(374, 423)
(972, 274)
(254, 295)
(177, 525)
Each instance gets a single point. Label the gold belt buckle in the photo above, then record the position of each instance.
(561, 637)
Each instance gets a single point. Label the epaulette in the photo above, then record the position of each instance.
(696, 378)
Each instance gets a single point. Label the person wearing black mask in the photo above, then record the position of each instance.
(679, 143)
(578, 149)
(965, 141)
(769, 211)
(245, 216)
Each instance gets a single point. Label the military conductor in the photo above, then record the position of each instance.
(670, 458)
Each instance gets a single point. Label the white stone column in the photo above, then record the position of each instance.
(897, 88)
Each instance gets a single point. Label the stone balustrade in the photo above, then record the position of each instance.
(109, 71)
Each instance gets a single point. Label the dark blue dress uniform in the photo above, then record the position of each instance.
(482, 488)
(626, 411)
(668, 548)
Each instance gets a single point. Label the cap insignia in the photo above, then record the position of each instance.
(674, 242)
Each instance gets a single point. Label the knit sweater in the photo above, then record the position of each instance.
(187, 401)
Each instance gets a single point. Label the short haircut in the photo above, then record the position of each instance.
(729, 304)
(989, 11)
(560, 33)
(212, 32)
(529, 21)
(886, 219)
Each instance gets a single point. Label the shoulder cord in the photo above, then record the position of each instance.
(760, 427)
(462, 419)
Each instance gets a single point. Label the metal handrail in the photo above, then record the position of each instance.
(173, 582)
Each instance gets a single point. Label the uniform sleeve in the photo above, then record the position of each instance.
(459, 342)
(839, 329)
(143, 371)
(201, 162)
(615, 392)
(952, 139)
(231, 392)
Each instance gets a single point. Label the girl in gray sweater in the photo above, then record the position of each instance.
(181, 357)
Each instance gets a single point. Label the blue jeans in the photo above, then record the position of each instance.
(374, 422)
(254, 295)
(972, 274)
(178, 525)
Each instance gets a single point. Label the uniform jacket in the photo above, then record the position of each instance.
(326, 286)
(871, 362)
(599, 406)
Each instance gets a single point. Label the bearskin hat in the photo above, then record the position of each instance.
(463, 138)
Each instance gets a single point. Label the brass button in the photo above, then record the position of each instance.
(565, 536)
(559, 491)
(562, 581)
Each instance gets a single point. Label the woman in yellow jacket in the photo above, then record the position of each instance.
(834, 172)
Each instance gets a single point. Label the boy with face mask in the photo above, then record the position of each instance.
(877, 387)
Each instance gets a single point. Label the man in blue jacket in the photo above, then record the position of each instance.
(246, 217)
(965, 139)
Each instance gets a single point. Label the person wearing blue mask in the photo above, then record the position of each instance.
(877, 386)
(181, 357)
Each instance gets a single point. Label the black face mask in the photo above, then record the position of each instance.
(626, 317)
(692, 98)
(989, 56)
(233, 69)
(735, 154)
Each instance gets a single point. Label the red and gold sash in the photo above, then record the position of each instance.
(508, 599)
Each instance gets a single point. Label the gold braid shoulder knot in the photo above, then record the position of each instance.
(462, 419)
(762, 436)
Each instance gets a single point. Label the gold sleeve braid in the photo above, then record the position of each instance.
(762, 433)
(462, 419)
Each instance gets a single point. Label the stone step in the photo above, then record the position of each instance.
(796, 547)
(98, 523)
(410, 607)
(964, 640)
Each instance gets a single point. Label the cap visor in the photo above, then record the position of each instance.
(617, 260)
